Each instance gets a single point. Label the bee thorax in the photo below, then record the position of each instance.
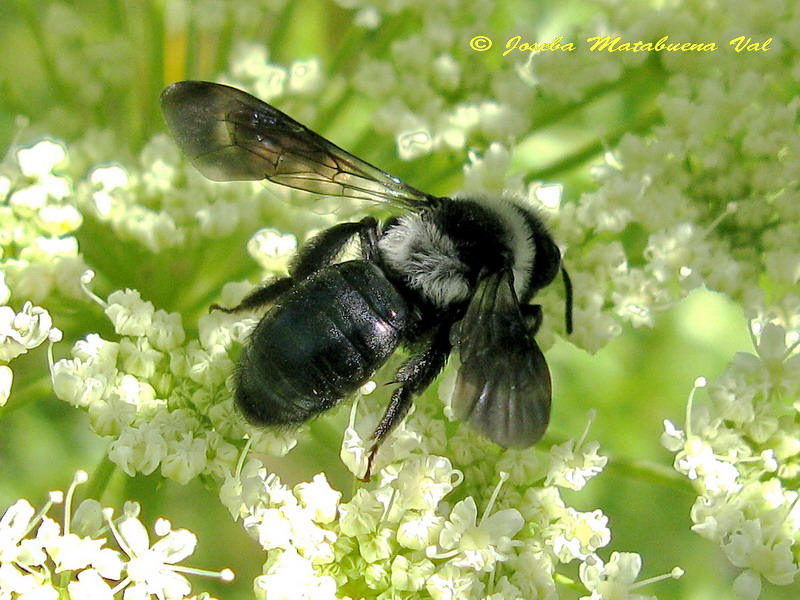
(427, 260)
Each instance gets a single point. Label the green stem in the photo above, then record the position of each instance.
(592, 149)
(560, 111)
(568, 582)
(99, 479)
(639, 470)
(650, 472)
(348, 48)
(33, 20)
(225, 42)
(32, 391)
(278, 36)
(329, 113)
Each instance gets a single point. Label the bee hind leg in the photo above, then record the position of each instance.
(415, 375)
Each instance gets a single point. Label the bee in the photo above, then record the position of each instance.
(445, 273)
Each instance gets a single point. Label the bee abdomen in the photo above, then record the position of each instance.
(323, 340)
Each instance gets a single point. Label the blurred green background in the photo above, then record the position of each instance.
(636, 381)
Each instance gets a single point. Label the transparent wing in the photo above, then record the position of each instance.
(230, 135)
(503, 384)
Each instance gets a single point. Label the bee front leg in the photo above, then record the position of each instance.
(318, 253)
(261, 296)
(321, 250)
(415, 375)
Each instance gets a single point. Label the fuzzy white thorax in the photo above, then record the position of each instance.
(427, 258)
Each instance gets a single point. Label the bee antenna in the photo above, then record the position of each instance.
(568, 307)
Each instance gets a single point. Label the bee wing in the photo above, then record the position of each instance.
(230, 135)
(503, 384)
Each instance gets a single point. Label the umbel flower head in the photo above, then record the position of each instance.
(741, 454)
(94, 555)
(658, 174)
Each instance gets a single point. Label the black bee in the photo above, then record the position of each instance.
(451, 272)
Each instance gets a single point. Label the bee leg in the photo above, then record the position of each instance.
(368, 234)
(321, 250)
(532, 313)
(260, 296)
(415, 375)
(318, 253)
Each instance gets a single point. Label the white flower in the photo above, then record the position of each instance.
(272, 249)
(361, 515)
(33, 325)
(129, 314)
(418, 531)
(670, 254)
(378, 546)
(138, 449)
(139, 358)
(715, 517)
(319, 498)
(6, 379)
(186, 458)
(414, 143)
(151, 570)
(241, 490)
(13, 528)
(39, 160)
(289, 576)
(636, 296)
(37, 163)
(305, 77)
(573, 468)
(576, 534)
(59, 220)
(166, 330)
(273, 528)
(747, 585)
(23, 331)
(698, 462)
(480, 545)
(408, 576)
(452, 583)
(614, 579)
(89, 586)
(488, 173)
(673, 438)
(751, 547)
(88, 519)
(423, 482)
(96, 350)
(71, 552)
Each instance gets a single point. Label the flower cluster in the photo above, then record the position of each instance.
(741, 452)
(20, 332)
(164, 205)
(432, 96)
(419, 532)
(405, 538)
(697, 187)
(709, 196)
(41, 559)
(164, 401)
(38, 221)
